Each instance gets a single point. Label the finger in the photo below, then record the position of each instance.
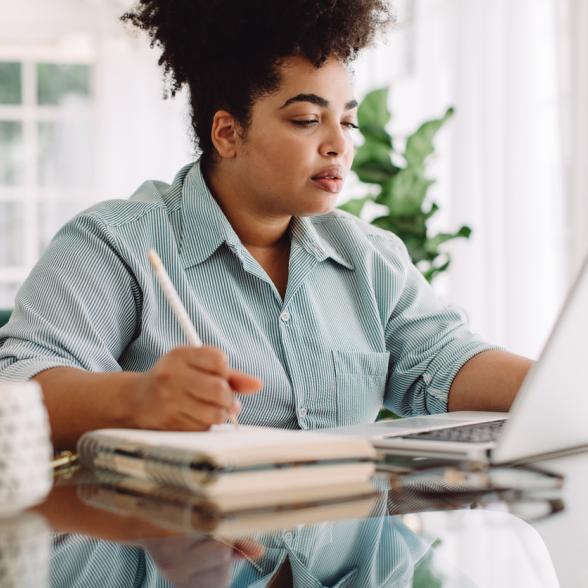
(235, 409)
(206, 359)
(192, 416)
(244, 383)
(210, 389)
(209, 414)
(200, 418)
(183, 420)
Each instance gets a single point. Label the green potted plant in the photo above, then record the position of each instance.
(402, 184)
(402, 187)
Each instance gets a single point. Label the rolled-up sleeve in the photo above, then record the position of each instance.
(78, 307)
(428, 341)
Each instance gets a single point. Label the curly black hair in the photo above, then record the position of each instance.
(227, 51)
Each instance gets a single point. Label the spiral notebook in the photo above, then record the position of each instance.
(225, 461)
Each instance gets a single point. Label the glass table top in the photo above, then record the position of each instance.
(437, 526)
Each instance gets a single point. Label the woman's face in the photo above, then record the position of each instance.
(298, 149)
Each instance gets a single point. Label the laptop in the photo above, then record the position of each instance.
(549, 414)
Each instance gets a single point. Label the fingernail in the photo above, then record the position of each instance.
(236, 408)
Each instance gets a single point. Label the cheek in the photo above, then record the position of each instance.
(286, 154)
(350, 152)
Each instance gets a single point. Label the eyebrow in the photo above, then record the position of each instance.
(318, 100)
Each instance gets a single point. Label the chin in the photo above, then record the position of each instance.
(316, 210)
(317, 204)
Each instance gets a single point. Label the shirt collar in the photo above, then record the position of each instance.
(304, 231)
(205, 227)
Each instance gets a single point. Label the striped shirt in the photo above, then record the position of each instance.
(358, 326)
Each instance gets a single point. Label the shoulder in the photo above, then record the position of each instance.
(150, 208)
(359, 240)
(147, 201)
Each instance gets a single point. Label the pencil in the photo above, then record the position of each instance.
(177, 307)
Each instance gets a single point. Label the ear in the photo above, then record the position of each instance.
(225, 134)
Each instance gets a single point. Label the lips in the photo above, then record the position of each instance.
(330, 179)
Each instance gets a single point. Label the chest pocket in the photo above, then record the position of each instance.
(360, 379)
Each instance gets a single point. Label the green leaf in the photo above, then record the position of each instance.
(386, 414)
(356, 205)
(415, 249)
(432, 245)
(431, 273)
(373, 111)
(377, 135)
(372, 163)
(410, 226)
(405, 192)
(420, 144)
(434, 208)
(372, 151)
(412, 231)
(374, 172)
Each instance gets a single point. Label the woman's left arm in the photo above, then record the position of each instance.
(489, 381)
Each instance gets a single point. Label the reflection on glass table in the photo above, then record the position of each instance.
(113, 532)
(25, 548)
(529, 492)
(114, 548)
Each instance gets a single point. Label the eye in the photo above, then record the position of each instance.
(350, 125)
(305, 123)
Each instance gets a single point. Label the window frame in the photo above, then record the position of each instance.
(30, 194)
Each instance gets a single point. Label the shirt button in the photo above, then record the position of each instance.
(303, 412)
(285, 316)
(288, 536)
(427, 378)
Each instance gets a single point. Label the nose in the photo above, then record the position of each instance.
(335, 142)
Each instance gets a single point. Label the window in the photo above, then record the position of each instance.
(47, 154)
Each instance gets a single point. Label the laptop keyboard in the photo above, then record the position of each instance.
(477, 433)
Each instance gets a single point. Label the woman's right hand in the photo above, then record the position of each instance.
(189, 389)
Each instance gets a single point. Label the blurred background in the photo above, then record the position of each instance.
(82, 119)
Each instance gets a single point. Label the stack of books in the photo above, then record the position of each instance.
(230, 479)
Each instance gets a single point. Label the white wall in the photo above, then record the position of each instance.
(498, 163)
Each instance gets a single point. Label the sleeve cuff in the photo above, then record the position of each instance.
(436, 381)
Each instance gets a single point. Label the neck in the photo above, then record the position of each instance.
(256, 228)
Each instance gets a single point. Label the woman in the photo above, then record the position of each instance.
(322, 315)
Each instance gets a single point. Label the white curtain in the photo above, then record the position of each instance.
(506, 170)
(499, 164)
(573, 67)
